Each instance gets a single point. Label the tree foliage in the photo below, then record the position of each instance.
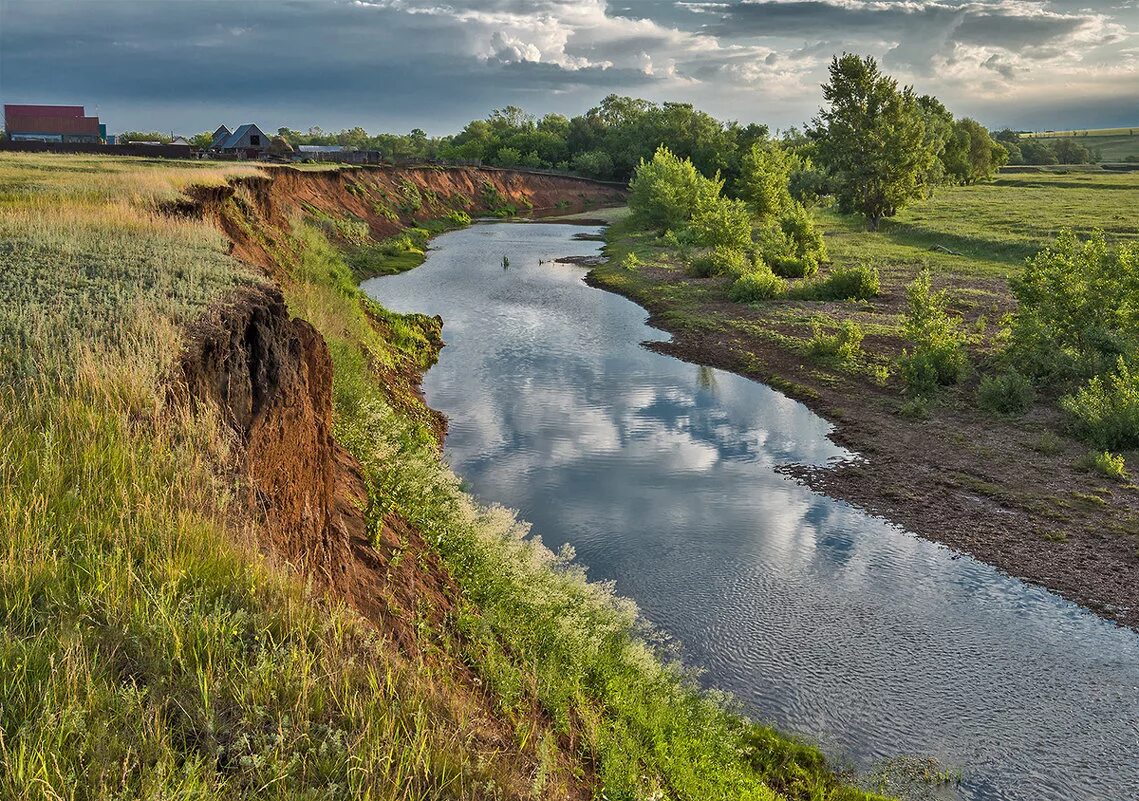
(872, 137)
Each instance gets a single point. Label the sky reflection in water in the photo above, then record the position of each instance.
(820, 618)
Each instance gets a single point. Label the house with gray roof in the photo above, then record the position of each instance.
(248, 141)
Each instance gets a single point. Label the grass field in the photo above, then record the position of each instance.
(1112, 144)
(149, 651)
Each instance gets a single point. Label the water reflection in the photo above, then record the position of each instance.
(820, 618)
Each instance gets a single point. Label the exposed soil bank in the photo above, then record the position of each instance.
(270, 377)
(973, 482)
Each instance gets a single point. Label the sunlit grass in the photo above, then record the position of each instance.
(147, 650)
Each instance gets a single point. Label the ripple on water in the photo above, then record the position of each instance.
(819, 618)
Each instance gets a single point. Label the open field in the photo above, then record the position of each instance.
(163, 637)
(1112, 144)
(1015, 493)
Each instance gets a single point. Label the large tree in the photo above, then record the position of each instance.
(872, 138)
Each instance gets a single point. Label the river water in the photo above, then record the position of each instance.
(821, 619)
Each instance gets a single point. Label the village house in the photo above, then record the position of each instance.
(248, 141)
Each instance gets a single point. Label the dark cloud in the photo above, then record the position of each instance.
(398, 64)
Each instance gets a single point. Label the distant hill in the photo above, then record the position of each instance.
(1112, 144)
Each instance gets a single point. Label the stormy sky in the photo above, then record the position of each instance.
(189, 65)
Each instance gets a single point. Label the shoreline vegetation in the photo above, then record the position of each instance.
(236, 565)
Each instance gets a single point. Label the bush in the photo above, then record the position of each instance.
(763, 182)
(1078, 308)
(722, 222)
(844, 346)
(859, 282)
(720, 261)
(1108, 464)
(667, 191)
(799, 227)
(795, 266)
(1106, 410)
(760, 284)
(791, 244)
(937, 356)
(1010, 393)
(458, 218)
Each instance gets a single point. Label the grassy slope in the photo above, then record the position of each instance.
(147, 651)
(1072, 530)
(1113, 144)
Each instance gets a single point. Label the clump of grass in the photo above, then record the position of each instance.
(1008, 394)
(1048, 443)
(1111, 465)
(843, 347)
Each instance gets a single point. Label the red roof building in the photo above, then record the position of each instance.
(50, 124)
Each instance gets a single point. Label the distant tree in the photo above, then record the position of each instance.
(872, 139)
(1037, 151)
(938, 122)
(145, 136)
(202, 140)
(595, 163)
(970, 154)
(1069, 151)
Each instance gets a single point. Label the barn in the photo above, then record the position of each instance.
(30, 123)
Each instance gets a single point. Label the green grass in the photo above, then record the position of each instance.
(148, 651)
(1112, 144)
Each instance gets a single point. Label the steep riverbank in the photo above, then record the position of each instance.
(237, 565)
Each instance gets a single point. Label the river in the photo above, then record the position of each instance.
(821, 619)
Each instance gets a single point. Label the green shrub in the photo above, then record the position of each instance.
(937, 354)
(763, 181)
(1011, 393)
(791, 244)
(458, 218)
(720, 261)
(858, 282)
(799, 227)
(760, 284)
(795, 266)
(1078, 308)
(1108, 464)
(843, 347)
(721, 222)
(1105, 411)
(666, 191)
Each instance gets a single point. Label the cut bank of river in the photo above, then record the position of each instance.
(821, 619)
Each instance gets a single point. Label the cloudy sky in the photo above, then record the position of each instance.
(189, 65)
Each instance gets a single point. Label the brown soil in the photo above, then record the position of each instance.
(990, 487)
(271, 377)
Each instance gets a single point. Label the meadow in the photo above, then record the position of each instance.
(150, 649)
(1112, 144)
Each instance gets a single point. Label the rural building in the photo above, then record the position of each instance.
(51, 124)
(248, 141)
